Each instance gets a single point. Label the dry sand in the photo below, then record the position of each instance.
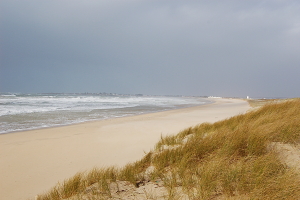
(31, 162)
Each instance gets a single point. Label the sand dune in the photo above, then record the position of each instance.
(33, 161)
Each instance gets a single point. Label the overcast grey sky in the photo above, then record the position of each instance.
(188, 47)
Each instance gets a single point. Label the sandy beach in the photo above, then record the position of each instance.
(31, 162)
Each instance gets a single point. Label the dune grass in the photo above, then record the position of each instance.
(229, 159)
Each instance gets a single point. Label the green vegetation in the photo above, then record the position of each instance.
(230, 159)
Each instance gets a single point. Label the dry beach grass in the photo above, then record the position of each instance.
(237, 158)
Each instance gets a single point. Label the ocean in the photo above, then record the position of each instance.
(20, 112)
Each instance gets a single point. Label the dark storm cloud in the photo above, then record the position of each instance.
(226, 48)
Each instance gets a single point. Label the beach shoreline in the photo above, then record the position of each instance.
(98, 120)
(33, 161)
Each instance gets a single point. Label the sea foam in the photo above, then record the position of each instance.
(30, 111)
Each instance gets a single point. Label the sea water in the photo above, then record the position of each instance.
(19, 112)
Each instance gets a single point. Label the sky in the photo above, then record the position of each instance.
(229, 48)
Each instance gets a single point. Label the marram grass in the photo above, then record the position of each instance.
(229, 159)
